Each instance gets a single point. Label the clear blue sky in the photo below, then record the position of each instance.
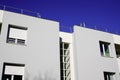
(100, 13)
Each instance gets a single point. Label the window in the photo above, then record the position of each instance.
(109, 76)
(13, 71)
(104, 48)
(65, 61)
(0, 27)
(117, 49)
(17, 35)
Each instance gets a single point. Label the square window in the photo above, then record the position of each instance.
(104, 48)
(13, 71)
(17, 35)
(109, 76)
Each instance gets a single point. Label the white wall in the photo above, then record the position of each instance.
(90, 65)
(41, 53)
(1, 15)
(116, 39)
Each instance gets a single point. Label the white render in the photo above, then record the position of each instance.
(1, 15)
(90, 65)
(41, 53)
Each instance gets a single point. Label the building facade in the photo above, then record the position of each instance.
(29, 48)
(35, 49)
(96, 54)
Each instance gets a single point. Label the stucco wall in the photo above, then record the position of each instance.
(40, 55)
(90, 65)
(1, 15)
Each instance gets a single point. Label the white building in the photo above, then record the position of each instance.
(34, 49)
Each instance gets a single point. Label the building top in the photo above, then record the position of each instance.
(37, 15)
(24, 12)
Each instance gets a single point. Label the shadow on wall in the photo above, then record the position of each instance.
(46, 76)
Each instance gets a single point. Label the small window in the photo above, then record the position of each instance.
(109, 76)
(17, 35)
(12, 71)
(0, 27)
(104, 48)
(117, 49)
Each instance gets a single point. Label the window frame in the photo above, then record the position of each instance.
(105, 48)
(11, 64)
(14, 40)
(108, 75)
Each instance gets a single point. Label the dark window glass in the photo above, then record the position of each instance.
(17, 77)
(0, 27)
(101, 48)
(104, 48)
(7, 77)
(109, 76)
(61, 45)
(66, 45)
(117, 48)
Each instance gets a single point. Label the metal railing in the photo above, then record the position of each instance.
(101, 28)
(20, 11)
(66, 29)
(62, 28)
(90, 26)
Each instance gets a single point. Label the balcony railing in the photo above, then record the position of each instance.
(91, 26)
(20, 11)
(62, 28)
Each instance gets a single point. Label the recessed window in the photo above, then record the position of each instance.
(12, 71)
(0, 27)
(17, 35)
(104, 48)
(117, 49)
(65, 61)
(109, 76)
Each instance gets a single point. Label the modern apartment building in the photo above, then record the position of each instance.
(33, 48)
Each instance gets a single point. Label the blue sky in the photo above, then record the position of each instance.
(104, 14)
